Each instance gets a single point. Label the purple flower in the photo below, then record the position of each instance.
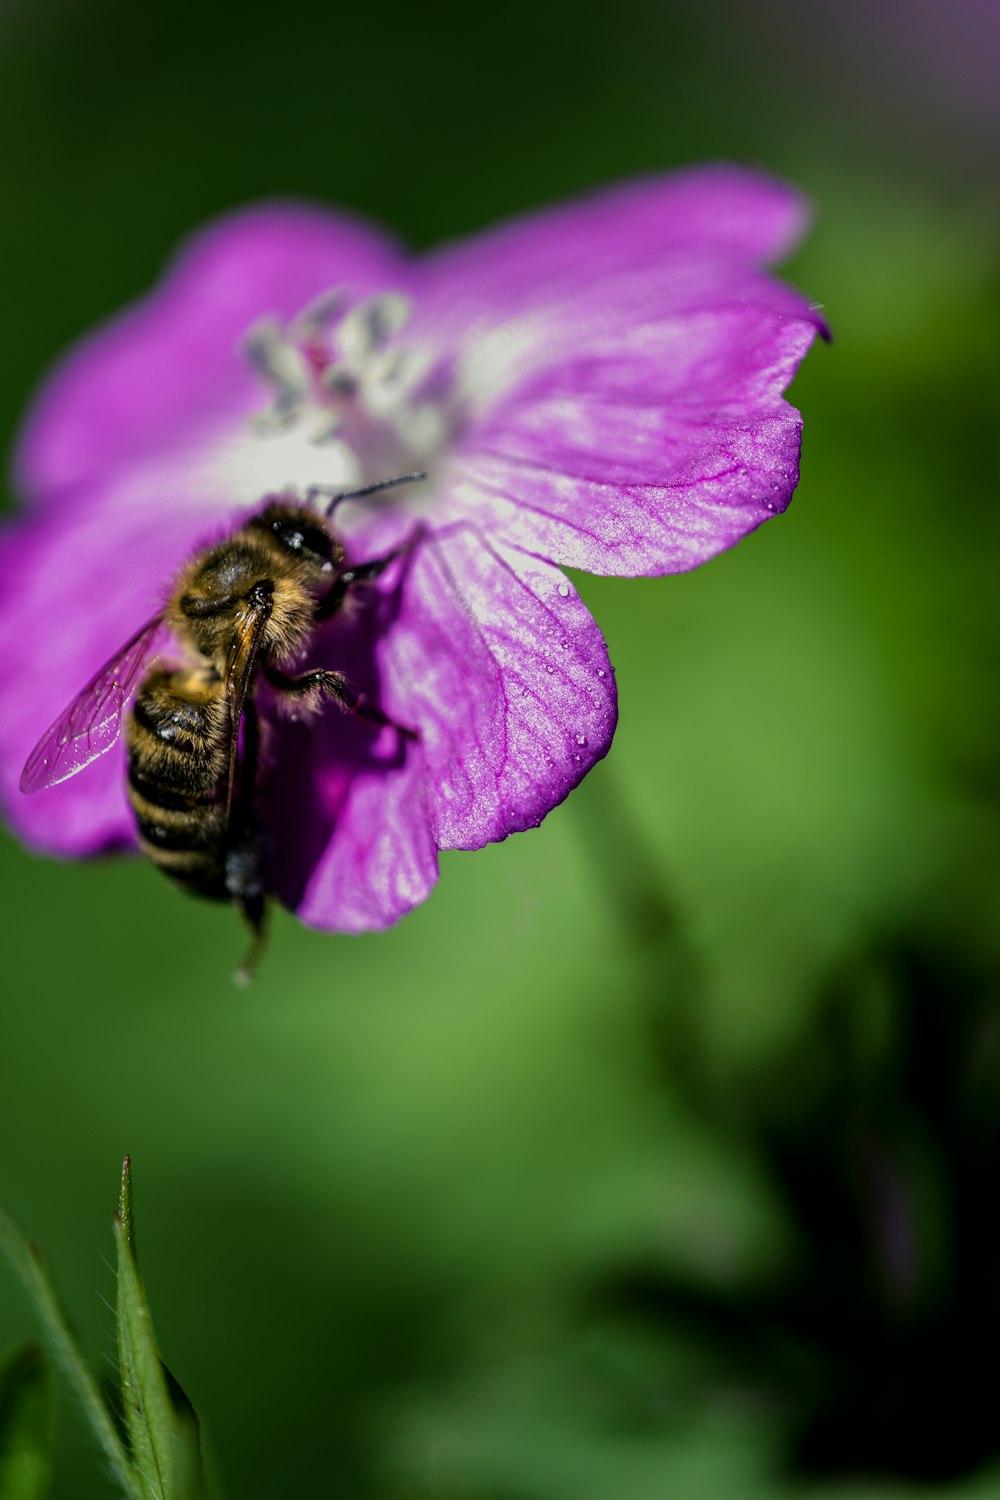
(597, 387)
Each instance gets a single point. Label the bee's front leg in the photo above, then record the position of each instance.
(363, 573)
(337, 686)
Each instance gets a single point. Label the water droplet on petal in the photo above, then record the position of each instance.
(601, 672)
(564, 590)
(549, 668)
(581, 739)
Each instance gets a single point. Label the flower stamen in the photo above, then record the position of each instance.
(337, 375)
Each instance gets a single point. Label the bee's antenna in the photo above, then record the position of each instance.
(317, 491)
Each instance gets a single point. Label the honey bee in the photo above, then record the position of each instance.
(241, 610)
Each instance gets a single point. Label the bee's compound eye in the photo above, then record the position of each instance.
(290, 535)
(299, 538)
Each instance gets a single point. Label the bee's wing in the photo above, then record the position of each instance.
(240, 662)
(93, 721)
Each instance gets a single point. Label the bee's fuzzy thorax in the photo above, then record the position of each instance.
(285, 550)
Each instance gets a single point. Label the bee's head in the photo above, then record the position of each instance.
(284, 558)
(303, 534)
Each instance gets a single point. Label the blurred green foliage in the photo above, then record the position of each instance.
(25, 1426)
(503, 1204)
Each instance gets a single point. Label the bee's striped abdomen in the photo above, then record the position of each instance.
(178, 753)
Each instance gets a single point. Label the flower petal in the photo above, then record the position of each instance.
(506, 675)
(169, 369)
(647, 455)
(719, 213)
(492, 657)
(343, 800)
(380, 860)
(619, 366)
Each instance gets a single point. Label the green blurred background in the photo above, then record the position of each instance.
(656, 1155)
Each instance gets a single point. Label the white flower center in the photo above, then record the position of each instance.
(349, 404)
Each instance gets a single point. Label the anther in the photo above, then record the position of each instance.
(371, 324)
(317, 315)
(281, 365)
(339, 379)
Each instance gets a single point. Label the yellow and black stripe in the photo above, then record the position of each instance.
(178, 752)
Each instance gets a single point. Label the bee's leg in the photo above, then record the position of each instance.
(338, 687)
(363, 573)
(253, 910)
(245, 881)
(242, 813)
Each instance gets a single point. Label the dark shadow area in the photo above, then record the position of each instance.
(879, 1131)
(310, 762)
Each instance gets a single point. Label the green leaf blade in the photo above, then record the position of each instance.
(188, 1460)
(26, 1424)
(149, 1416)
(28, 1263)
